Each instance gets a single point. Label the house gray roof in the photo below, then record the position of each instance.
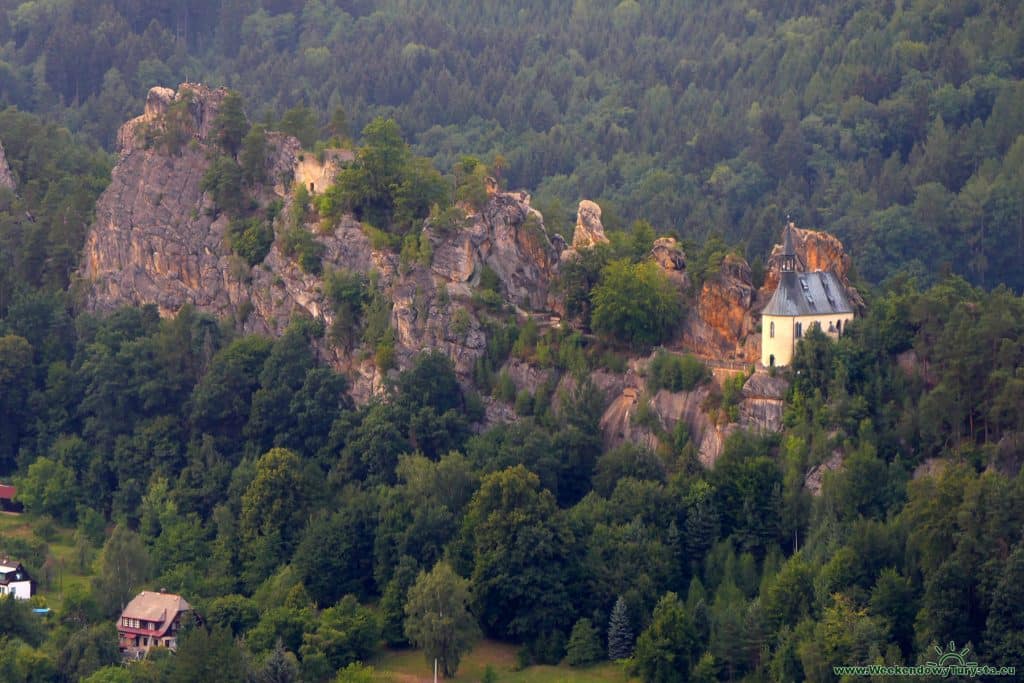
(818, 293)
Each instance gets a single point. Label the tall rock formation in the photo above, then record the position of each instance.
(589, 230)
(156, 239)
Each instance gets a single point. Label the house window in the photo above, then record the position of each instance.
(799, 330)
(771, 329)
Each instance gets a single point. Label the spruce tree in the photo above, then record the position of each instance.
(280, 667)
(230, 125)
(620, 636)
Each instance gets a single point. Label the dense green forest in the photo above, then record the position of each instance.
(311, 532)
(888, 123)
(237, 471)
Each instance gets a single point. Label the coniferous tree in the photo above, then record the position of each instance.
(230, 124)
(1004, 637)
(208, 656)
(620, 635)
(280, 667)
(253, 155)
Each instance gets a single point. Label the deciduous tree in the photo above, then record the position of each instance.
(635, 304)
(438, 618)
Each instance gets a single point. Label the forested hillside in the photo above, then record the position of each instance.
(891, 124)
(316, 534)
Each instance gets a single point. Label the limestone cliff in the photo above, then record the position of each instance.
(156, 239)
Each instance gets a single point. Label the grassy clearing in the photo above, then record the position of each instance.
(13, 524)
(63, 571)
(410, 666)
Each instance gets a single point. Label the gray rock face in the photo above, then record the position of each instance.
(763, 402)
(671, 258)
(670, 408)
(815, 478)
(152, 240)
(202, 109)
(6, 177)
(508, 236)
(157, 240)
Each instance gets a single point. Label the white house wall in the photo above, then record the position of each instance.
(21, 590)
(782, 345)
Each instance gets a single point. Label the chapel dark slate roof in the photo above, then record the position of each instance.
(818, 293)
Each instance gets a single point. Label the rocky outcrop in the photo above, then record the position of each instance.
(200, 106)
(589, 231)
(728, 306)
(508, 236)
(815, 478)
(6, 177)
(618, 424)
(626, 394)
(606, 384)
(671, 258)
(526, 376)
(158, 99)
(763, 402)
(317, 175)
(724, 327)
(157, 239)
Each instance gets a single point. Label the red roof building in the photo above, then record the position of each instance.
(151, 620)
(7, 502)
